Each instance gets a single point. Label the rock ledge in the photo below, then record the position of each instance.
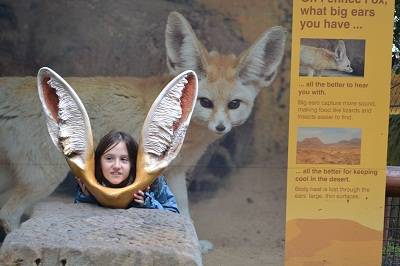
(83, 234)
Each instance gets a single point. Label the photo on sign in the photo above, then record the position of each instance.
(328, 146)
(332, 57)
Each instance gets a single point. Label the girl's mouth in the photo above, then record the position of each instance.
(115, 173)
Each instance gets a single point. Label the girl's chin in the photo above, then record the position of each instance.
(116, 180)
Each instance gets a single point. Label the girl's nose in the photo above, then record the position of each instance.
(117, 164)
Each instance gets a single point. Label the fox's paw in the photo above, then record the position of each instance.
(206, 246)
(5, 226)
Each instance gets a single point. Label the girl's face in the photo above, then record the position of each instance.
(115, 164)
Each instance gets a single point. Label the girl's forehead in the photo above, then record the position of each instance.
(117, 147)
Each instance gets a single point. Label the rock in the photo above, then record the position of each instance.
(84, 234)
(91, 38)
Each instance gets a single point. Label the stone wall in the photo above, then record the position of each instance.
(84, 234)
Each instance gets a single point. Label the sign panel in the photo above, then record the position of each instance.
(339, 102)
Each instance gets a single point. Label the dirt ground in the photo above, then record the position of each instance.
(245, 220)
(332, 155)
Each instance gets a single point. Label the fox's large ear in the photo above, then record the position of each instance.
(184, 51)
(165, 126)
(340, 50)
(67, 121)
(259, 64)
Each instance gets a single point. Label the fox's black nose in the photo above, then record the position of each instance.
(220, 128)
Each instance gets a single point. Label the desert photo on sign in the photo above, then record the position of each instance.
(328, 146)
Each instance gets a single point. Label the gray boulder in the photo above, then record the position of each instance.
(84, 234)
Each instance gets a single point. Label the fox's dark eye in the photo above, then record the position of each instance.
(206, 103)
(234, 104)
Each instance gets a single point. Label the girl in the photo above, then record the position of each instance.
(115, 166)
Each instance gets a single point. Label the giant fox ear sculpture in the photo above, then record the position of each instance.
(162, 134)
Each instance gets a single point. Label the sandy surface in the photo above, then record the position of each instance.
(331, 155)
(245, 219)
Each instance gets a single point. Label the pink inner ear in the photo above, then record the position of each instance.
(186, 100)
(50, 98)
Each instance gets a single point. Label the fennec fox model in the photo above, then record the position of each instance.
(314, 59)
(31, 168)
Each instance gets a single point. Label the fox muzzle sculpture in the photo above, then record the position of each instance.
(162, 134)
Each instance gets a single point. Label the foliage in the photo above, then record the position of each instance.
(396, 38)
(390, 253)
(391, 248)
(393, 157)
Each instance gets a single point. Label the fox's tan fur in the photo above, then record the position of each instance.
(31, 168)
(314, 59)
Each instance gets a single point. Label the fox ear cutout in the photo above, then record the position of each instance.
(340, 50)
(259, 64)
(165, 126)
(184, 51)
(66, 118)
(162, 134)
